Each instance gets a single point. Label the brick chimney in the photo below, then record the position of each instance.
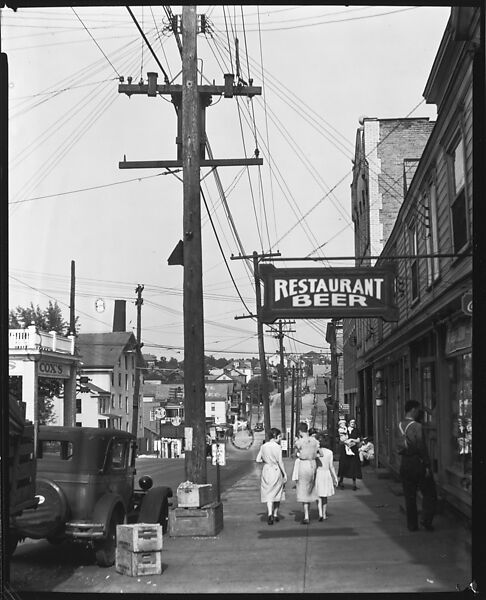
(120, 316)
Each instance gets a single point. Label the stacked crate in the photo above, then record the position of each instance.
(139, 549)
(196, 514)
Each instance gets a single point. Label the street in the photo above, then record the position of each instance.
(39, 565)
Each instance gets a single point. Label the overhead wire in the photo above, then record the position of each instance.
(98, 46)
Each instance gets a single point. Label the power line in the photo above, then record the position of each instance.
(99, 47)
(94, 187)
(166, 77)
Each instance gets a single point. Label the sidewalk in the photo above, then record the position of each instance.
(363, 546)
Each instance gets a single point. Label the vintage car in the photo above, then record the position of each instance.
(85, 488)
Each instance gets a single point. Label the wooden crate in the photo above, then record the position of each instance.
(135, 564)
(195, 495)
(194, 522)
(139, 537)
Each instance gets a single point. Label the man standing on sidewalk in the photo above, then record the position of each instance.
(415, 470)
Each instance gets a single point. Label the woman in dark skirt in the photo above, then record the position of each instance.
(349, 464)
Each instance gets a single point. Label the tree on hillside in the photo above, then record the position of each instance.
(254, 389)
(49, 319)
(215, 363)
(164, 363)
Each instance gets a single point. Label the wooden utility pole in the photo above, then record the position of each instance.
(261, 350)
(191, 101)
(292, 410)
(298, 400)
(280, 336)
(138, 366)
(261, 347)
(72, 314)
(194, 396)
(282, 377)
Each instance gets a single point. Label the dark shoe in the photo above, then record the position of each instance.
(276, 518)
(341, 486)
(321, 518)
(270, 520)
(354, 488)
(305, 521)
(427, 526)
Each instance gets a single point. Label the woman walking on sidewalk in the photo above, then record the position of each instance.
(273, 477)
(305, 469)
(349, 465)
(326, 478)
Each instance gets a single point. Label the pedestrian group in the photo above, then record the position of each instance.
(315, 478)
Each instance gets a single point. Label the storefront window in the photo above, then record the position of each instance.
(428, 392)
(460, 371)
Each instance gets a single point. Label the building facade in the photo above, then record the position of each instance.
(109, 360)
(427, 353)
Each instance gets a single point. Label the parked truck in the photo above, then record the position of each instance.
(22, 466)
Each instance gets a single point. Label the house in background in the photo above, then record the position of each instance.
(92, 405)
(109, 361)
(150, 360)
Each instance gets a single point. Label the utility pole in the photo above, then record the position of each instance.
(261, 346)
(194, 396)
(298, 400)
(72, 317)
(138, 366)
(191, 101)
(292, 409)
(280, 336)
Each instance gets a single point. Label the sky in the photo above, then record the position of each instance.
(321, 69)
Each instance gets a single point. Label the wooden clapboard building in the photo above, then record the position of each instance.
(427, 353)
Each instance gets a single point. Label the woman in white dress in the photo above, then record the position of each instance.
(326, 478)
(304, 472)
(273, 477)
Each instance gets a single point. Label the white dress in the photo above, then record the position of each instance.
(272, 478)
(325, 475)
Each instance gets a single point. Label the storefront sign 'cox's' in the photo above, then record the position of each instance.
(313, 293)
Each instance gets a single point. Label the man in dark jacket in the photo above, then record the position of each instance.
(415, 470)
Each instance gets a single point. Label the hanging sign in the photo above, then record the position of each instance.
(319, 293)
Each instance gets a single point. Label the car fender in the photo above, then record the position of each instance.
(152, 503)
(104, 509)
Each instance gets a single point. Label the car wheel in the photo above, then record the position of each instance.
(50, 515)
(105, 550)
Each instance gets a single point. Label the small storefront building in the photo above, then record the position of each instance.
(35, 355)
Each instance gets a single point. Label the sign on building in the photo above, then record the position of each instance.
(322, 293)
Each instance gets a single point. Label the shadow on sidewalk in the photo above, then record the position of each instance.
(444, 551)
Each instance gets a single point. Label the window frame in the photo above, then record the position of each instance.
(429, 196)
(460, 194)
(413, 261)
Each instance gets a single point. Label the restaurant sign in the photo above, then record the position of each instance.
(319, 293)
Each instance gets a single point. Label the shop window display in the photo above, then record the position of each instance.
(461, 380)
